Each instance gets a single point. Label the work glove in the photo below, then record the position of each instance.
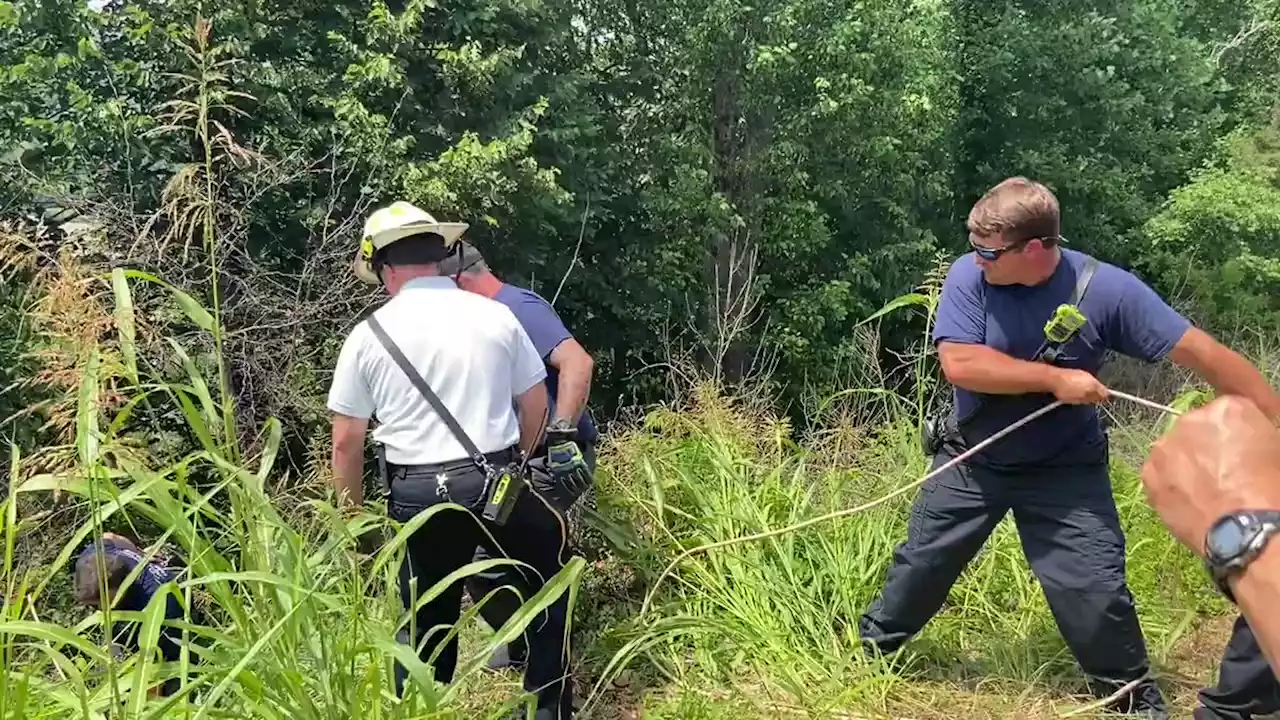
(564, 458)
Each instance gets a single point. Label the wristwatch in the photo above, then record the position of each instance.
(1235, 540)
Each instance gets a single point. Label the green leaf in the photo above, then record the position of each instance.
(10, 524)
(269, 451)
(125, 322)
(194, 420)
(153, 615)
(87, 412)
(563, 581)
(194, 310)
(55, 634)
(198, 385)
(908, 300)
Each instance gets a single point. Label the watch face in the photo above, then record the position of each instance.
(1226, 540)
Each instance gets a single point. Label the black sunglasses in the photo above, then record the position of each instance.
(993, 254)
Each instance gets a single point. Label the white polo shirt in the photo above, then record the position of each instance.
(471, 351)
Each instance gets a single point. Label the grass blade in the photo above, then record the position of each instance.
(125, 322)
(87, 412)
(194, 310)
(269, 450)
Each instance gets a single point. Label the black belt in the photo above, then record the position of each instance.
(497, 458)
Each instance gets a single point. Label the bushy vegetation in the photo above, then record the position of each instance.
(743, 211)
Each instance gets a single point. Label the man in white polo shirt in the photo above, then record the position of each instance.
(475, 359)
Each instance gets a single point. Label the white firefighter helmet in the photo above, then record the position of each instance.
(396, 222)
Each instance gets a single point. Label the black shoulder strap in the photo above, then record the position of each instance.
(418, 382)
(1082, 282)
(1050, 350)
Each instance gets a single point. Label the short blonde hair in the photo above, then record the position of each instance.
(1019, 209)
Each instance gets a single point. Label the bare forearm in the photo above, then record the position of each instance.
(1235, 375)
(982, 369)
(1256, 591)
(573, 391)
(533, 417)
(530, 432)
(348, 476)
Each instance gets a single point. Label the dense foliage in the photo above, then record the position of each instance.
(739, 182)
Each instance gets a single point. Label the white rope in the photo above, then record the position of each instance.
(644, 608)
(1144, 402)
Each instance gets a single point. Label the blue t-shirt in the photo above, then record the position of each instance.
(1124, 315)
(545, 329)
(141, 590)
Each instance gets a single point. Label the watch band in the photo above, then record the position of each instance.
(1234, 541)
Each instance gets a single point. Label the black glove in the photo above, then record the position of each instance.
(564, 458)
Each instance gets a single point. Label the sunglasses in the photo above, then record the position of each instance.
(993, 254)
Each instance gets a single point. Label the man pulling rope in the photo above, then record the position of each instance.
(1005, 361)
(1022, 330)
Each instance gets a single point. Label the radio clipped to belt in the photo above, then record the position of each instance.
(1062, 326)
(503, 484)
(502, 489)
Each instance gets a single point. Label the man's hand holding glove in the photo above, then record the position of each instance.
(564, 458)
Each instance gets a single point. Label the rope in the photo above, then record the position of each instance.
(1121, 692)
(1145, 402)
(1106, 701)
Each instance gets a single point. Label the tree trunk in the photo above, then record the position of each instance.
(732, 261)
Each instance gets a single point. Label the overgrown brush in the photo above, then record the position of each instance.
(282, 618)
(297, 624)
(285, 619)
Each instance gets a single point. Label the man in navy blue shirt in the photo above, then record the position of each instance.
(119, 558)
(1053, 472)
(569, 373)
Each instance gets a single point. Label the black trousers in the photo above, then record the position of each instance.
(1070, 532)
(1247, 686)
(514, 590)
(534, 534)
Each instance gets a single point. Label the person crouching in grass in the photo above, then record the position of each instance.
(119, 558)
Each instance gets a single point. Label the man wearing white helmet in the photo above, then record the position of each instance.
(439, 367)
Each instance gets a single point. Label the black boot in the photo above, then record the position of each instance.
(512, 655)
(1145, 700)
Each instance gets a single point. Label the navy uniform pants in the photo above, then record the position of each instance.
(1247, 687)
(534, 534)
(514, 592)
(1070, 532)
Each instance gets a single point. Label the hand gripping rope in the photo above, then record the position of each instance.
(1128, 687)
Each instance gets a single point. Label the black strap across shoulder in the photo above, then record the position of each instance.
(1082, 282)
(1048, 350)
(476, 456)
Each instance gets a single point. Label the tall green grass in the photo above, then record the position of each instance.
(297, 623)
(783, 611)
(294, 622)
